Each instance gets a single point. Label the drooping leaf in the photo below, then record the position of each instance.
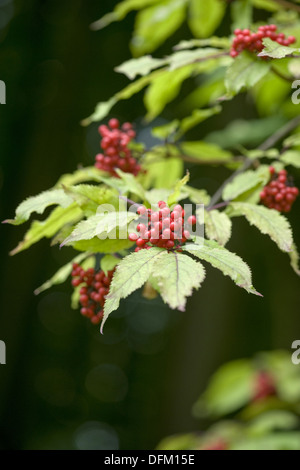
(205, 16)
(120, 11)
(103, 108)
(39, 203)
(244, 73)
(100, 225)
(269, 5)
(49, 227)
(229, 263)
(217, 226)
(276, 51)
(131, 274)
(62, 274)
(268, 221)
(155, 24)
(141, 66)
(163, 89)
(177, 275)
(108, 263)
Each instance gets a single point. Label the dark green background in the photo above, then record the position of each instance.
(65, 386)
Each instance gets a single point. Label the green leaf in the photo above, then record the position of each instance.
(163, 89)
(276, 51)
(274, 441)
(197, 196)
(214, 41)
(241, 13)
(242, 183)
(229, 263)
(57, 219)
(153, 25)
(272, 421)
(120, 11)
(294, 256)
(132, 272)
(217, 226)
(177, 275)
(142, 66)
(39, 203)
(89, 197)
(166, 130)
(179, 442)
(268, 221)
(230, 388)
(291, 157)
(163, 173)
(186, 57)
(90, 173)
(244, 73)
(131, 183)
(102, 109)
(108, 245)
(197, 116)
(269, 5)
(175, 195)
(100, 225)
(206, 152)
(205, 16)
(62, 274)
(108, 263)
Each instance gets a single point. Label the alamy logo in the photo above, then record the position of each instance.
(2, 352)
(296, 354)
(296, 94)
(2, 92)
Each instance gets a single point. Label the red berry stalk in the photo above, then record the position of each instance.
(279, 194)
(163, 229)
(116, 153)
(264, 386)
(253, 42)
(95, 287)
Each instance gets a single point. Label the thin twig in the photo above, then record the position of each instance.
(267, 144)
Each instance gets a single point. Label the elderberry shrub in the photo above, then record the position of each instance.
(116, 153)
(163, 228)
(280, 193)
(253, 42)
(95, 287)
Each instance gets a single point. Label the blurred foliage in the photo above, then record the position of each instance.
(255, 405)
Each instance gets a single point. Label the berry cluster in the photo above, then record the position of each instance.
(279, 194)
(95, 286)
(245, 40)
(164, 228)
(116, 153)
(264, 386)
